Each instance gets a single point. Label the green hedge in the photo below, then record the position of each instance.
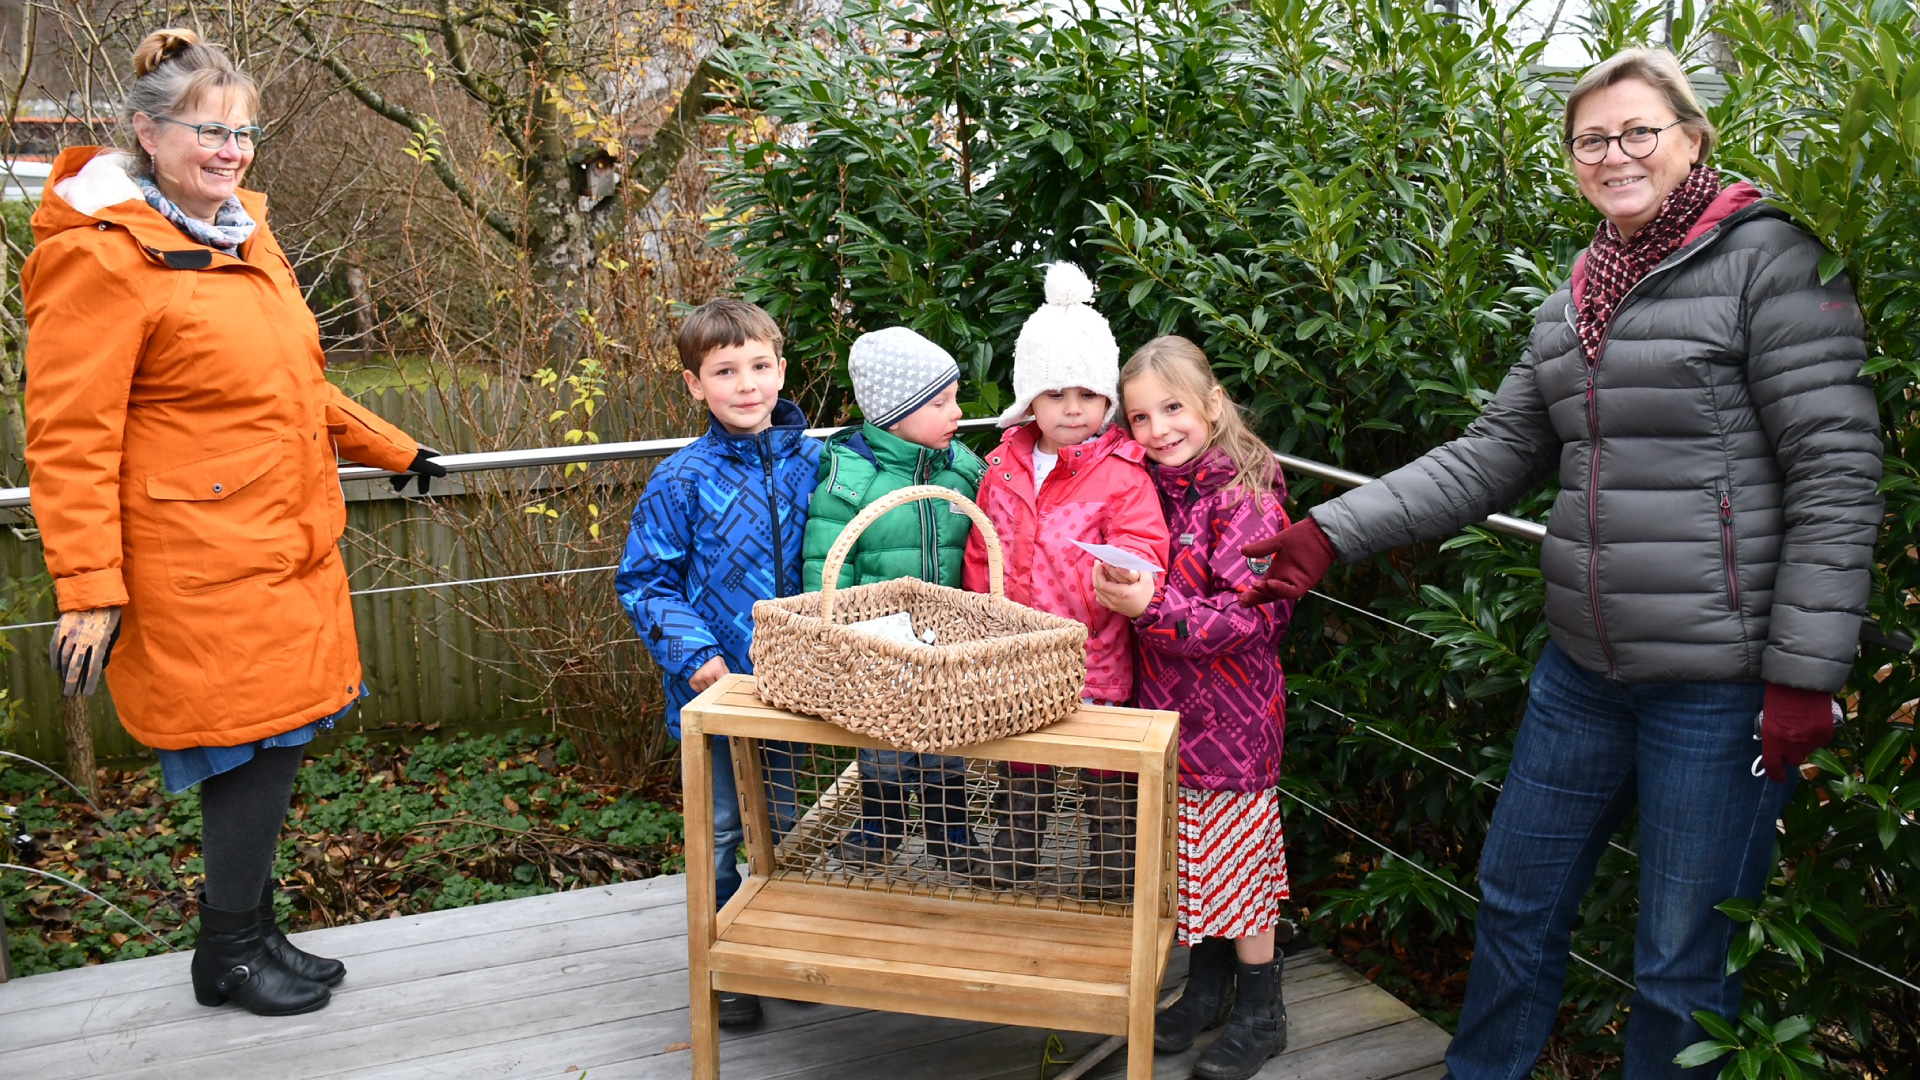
(1355, 207)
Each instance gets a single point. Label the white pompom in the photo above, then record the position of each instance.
(1068, 284)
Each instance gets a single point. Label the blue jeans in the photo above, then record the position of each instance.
(776, 763)
(1590, 750)
(888, 777)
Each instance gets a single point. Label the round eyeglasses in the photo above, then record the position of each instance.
(1635, 142)
(214, 136)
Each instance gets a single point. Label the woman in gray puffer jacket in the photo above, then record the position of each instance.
(1699, 388)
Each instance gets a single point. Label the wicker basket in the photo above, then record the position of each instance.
(996, 668)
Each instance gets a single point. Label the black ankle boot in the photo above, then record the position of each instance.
(232, 963)
(1014, 854)
(943, 817)
(304, 964)
(1108, 806)
(1204, 1003)
(1256, 1029)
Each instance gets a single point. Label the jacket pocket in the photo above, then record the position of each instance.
(225, 518)
(1729, 550)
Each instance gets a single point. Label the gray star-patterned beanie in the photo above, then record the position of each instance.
(895, 371)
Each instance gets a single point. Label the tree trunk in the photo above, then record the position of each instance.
(362, 299)
(80, 746)
(559, 236)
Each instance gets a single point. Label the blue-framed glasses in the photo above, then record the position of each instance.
(214, 136)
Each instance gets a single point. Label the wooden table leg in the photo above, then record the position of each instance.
(696, 786)
(756, 816)
(1143, 989)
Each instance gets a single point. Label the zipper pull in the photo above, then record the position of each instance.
(1726, 507)
(1589, 383)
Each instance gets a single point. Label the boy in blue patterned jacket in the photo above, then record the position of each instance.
(720, 526)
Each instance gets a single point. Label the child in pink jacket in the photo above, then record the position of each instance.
(1066, 476)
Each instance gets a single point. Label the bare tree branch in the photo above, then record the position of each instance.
(653, 166)
(431, 150)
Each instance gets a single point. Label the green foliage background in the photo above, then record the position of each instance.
(1354, 207)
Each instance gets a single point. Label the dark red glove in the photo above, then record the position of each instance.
(1793, 724)
(1300, 556)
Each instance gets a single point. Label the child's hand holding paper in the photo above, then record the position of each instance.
(1119, 558)
(1122, 581)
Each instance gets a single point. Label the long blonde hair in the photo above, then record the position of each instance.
(1183, 367)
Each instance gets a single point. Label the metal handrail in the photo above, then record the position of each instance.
(549, 456)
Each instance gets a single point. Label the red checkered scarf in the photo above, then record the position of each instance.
(1616, 265)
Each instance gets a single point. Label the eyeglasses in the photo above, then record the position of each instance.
(1635, 142)
(214, 136)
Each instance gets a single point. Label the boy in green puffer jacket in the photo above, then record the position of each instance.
(906, 387)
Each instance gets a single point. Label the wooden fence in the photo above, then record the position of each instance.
(427, 663)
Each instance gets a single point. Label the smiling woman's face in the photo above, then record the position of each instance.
(1628, 191)
(198, 178)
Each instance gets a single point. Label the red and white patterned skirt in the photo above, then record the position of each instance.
(1233, 863)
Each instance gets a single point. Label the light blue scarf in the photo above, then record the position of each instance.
(230, 229)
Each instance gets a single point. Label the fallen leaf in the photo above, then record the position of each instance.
(677, 1047)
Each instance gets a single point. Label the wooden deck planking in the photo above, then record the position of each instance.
(595, 981)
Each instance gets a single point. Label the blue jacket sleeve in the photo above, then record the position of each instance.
(653, 581)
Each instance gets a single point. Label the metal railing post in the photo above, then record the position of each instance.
(6, 960)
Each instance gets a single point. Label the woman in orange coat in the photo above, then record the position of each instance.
(181, 439)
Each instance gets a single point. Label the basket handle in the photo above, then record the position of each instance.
(843, 545)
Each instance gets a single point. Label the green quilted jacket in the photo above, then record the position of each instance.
(925, 540)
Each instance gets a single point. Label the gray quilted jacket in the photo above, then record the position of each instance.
(1719, 466)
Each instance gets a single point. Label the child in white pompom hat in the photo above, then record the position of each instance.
(1062, 474)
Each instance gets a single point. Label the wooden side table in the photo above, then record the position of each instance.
(1011, 956)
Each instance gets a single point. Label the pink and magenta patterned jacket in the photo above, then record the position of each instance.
(1099, 493)
(1201, 653)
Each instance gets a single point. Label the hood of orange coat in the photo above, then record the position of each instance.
(93, 184)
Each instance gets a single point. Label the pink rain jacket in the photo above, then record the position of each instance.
(1099, 493)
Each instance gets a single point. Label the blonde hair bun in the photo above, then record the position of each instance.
(161, 46)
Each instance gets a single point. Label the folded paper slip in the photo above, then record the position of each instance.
(1118, 557)
(996, 668)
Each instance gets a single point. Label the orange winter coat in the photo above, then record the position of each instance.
(181, 439)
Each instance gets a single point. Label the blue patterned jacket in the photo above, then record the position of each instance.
(719, 527)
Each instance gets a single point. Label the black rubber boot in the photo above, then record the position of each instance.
(304, 964)
(232, 963)
(1014, 855)
(1108, 805)
(1204, 1003)
(738, 1010)
(1256, 1029)
(883, 822)
(943, 816)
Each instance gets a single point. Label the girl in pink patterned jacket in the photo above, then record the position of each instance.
(1060, 475)
(1217, 664)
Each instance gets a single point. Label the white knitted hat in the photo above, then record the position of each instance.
(1065, 343)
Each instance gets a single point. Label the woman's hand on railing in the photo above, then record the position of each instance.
(423, 467)
(82, 642)
(1298, 557)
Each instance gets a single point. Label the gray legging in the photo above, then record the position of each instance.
(241, 811)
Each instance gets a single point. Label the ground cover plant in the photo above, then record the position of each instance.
(1354, 207)
(377, 830)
